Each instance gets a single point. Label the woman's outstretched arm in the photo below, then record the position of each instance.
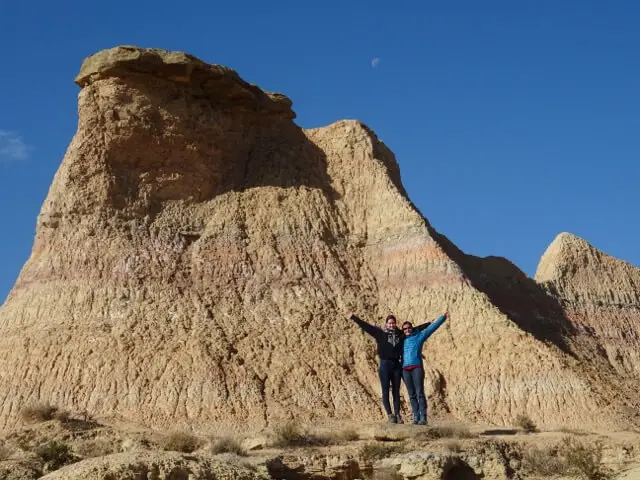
(370, 329)
(427, 332)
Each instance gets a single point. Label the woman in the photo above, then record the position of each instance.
(412, 368)
(390, 345)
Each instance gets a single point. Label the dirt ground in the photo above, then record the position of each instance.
(340, 451)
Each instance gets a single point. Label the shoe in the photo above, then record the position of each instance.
(416, 422)
(392, 418)
(399, 419)
(422, 422)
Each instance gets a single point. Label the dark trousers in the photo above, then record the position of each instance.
(414, 380)
(390, 373)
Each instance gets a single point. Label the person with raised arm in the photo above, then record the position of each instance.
(413, 369)
(390, 342)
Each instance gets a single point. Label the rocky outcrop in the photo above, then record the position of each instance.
(600, 295)
(197, 252)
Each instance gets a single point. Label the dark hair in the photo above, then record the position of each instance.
(407, 323)
(389, 317)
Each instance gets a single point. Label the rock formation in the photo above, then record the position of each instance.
(600, 296)
(197, 252)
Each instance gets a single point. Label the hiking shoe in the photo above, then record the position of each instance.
(422, 422)
(399, 419)
(392, 418)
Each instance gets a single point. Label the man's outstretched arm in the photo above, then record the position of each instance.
(370, 329)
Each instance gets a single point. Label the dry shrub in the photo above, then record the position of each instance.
(95, 448)
(180, 442)
(543, 461)
(5, 452)
(434, 433)
(570, 458)
(55, 454)
(38, 412)
(62, 416)
(291, 434)
(454, 432)
(525, 423)
(377, 451)
(349, 435)
(227, 445)
(584, 459)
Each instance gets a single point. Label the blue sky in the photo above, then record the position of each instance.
(512, 121)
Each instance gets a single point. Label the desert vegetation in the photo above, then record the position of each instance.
(180, 441)
(524, 422)
(571, 457)
(55, 454)
(371, 452)
(227, 445)
(291, 434)
(38, 412)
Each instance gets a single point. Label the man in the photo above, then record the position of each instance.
(390, 346)
(412, 367)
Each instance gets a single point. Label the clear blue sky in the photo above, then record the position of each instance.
(511, 120)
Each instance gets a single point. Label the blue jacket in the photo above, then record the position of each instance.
(412, 353)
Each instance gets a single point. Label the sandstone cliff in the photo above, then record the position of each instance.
(197, 251)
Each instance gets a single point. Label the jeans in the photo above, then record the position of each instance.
(390, 373)
(414, 380)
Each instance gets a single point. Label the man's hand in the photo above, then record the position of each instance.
(446, 315)
(350, 315)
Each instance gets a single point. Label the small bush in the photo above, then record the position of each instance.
(434, 433)
(228, 445)
(55, 454)
(5, 452)
(545, 462)
(349, 435)
(377, 451)
(291, 435)
(571, 458)
(583, 459)
(453, 432)
(62, 416)
(180, 442)
(39, 412)
(24, 443)
(525, 423)
(94, 448)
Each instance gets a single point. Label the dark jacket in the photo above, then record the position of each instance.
(390, 343)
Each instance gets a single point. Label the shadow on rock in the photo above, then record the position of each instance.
(518, 296)
(458, 470)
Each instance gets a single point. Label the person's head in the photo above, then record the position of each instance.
(407, 328)
(391, 322)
